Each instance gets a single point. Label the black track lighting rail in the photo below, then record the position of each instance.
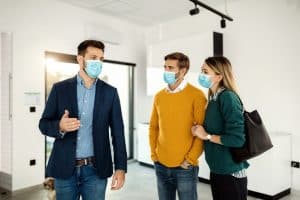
(199, 3)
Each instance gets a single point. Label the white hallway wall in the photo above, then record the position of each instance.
(263, 44)
(0, 101)
(54, 26)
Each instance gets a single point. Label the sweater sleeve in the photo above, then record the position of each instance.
(197, 145)
(153, 130)
(232, 112)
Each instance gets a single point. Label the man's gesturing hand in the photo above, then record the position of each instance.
(67, 124)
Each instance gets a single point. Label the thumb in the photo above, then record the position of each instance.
(113, 182)
(66, 114)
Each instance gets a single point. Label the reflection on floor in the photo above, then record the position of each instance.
(140, 184)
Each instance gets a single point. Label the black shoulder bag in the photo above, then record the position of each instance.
(257, 138)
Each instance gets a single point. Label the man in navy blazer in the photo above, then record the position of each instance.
(78, 114)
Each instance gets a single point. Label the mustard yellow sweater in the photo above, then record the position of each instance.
(173, 115)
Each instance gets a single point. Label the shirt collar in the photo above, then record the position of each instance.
(80, 81)
(179, 88)
(215, 96)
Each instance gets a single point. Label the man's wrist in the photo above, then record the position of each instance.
(62, 133)
(120, 170)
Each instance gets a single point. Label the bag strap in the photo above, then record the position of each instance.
(235, 94)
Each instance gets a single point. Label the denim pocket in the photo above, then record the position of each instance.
(190, 167)
(92, 166)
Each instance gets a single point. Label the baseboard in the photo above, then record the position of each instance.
(269, 197)
(257, 194)
(204, 180)
(146, 164)
(31, 188)
(5, 181)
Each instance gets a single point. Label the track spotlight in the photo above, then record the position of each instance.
(203, 5)
(223, 23)
(194, 11)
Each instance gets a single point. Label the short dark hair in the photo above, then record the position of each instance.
(81, 49)
(183, 60)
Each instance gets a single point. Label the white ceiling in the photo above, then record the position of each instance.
(143, 12)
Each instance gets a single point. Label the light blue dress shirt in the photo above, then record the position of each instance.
(85, 100)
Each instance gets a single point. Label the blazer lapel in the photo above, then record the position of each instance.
(99, 97)
(72, 93)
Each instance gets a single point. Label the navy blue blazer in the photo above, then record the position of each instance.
(107, 114)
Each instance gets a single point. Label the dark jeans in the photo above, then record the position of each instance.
(227, 187)
(84, 182)
(170, 180)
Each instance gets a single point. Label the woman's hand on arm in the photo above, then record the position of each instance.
(200, 132)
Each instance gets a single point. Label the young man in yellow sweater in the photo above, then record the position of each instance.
(174, 150)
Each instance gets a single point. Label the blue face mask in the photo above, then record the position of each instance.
(169, 77)
(93, 68)
(205, 81)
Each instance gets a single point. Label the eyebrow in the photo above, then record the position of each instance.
(95, 56)
(168, 66)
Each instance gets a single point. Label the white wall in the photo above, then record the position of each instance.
(43, 25)
(0, 101)
(5, 105)
(263, 44)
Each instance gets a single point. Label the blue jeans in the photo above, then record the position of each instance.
(170, 180)
(84, 182)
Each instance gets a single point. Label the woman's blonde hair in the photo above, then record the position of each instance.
(222, 66)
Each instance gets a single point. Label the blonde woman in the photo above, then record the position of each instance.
(223, 128)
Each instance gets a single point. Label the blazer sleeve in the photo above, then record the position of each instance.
(49, 122)
(117, 134)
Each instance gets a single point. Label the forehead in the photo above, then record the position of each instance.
(94, 51)
(205, 66)
(171, 62)
(206, 69)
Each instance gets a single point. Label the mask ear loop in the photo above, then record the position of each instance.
(80, 58)
(177, 79)
(84, 67)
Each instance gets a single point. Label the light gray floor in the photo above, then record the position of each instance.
(140, 185)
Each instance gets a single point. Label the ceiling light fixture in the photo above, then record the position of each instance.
(223, 23)
(195, 11)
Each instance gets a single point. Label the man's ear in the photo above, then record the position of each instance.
(183, 71)
(80, 59)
